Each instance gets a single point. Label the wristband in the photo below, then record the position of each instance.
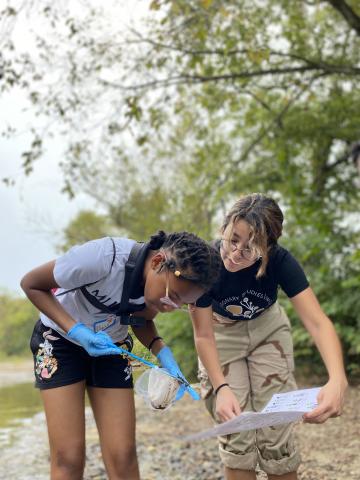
(153, 341)
(220, 386)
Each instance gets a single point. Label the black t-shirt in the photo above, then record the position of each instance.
(241, 296)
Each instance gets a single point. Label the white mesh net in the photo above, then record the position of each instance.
(157, 389)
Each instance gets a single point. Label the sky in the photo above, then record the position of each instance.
(34, 212)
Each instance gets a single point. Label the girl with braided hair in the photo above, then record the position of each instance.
(254, 341)
(87, 298)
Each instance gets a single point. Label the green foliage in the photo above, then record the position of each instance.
(18, 317)
(206, 101)
(333, 268)
(86, 226)
(143, 214)
(176, 329)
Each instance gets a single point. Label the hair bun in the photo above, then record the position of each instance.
(157, 240)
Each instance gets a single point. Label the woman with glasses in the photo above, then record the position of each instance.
(254, 341)
(87, 299)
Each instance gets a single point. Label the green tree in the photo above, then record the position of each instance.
(18, 317)
(206, 101)
(87, 225)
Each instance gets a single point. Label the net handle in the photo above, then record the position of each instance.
(122, 351)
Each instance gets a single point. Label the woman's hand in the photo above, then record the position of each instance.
(331, 396)
(331, 400)
(227, 406)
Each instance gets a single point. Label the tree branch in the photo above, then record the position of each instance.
(217, 51)
(323, 67)
(277, 119)
(347, 12)
(184, 78)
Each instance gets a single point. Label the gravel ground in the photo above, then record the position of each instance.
(330, 451)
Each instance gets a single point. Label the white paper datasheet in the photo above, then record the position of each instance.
(296, 401)
(282, 408)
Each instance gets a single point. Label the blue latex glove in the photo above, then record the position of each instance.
(167, 360)
(96, 344)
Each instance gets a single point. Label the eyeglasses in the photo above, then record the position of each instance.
(248, 254)
(167, 300)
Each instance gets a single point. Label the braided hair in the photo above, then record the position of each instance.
(188, 257)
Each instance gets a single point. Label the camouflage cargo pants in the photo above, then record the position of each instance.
(257, 361)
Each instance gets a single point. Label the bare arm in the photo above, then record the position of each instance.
(148, 332)
(321, 329)
(226, 403)
(37, 285)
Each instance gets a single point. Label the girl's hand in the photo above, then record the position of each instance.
(227, 406)
(96, 344)
(167, 360)
(331, 402)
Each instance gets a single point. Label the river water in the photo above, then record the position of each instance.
(24, 449)
(23, 436)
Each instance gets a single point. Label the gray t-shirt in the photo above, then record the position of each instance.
(87, 263)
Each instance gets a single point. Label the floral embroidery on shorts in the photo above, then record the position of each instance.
(45, 363)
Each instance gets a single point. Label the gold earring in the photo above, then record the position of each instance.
(177, 273)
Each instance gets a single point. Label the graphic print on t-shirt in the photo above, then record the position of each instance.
(250, 303)
(107, 322)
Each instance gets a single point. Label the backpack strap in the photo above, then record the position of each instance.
(124, 307)
(129, 267)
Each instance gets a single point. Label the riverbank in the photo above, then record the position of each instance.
(330, 451)
(16, 371)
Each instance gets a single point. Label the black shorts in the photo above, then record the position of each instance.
(59, 362)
